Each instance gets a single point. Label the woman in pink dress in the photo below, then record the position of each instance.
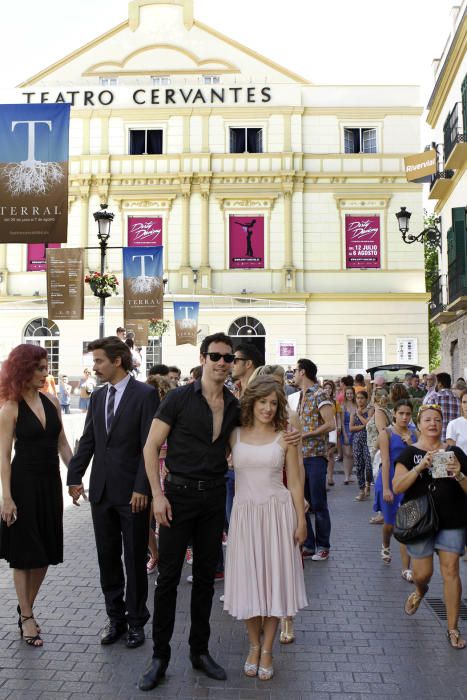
(264, 573)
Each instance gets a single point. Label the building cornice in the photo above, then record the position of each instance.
(448, 73)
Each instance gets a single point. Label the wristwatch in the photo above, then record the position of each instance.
(460, 477)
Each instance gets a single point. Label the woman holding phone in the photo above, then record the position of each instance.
(414, 478)
(31, 533)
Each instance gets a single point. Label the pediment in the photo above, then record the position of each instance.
(161, 58)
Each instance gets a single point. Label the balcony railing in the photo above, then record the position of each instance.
(457, 279)
(441, 176)
(451, 129)
(436, 304)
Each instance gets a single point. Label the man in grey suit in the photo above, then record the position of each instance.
(117, 424)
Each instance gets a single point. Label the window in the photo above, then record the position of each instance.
(407, 350)
(45, 333)
(359, 140)
(160, 79)
(153, 353)
(211, 79)
(108, 82)
(364, 353)
(246, 140)
(144, 142)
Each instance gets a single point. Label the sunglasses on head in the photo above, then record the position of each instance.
(216, 356)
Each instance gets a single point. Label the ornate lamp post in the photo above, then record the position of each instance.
(430, 235)
(104, 220)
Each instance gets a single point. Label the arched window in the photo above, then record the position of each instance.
(247, 325)
(46, 333)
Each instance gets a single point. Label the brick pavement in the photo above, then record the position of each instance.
(353, 641)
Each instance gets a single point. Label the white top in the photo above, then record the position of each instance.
(457, 430)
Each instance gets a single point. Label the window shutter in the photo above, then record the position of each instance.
(259, 141)
(233, 141)
(349, 143)
(369, 141)
(458, 224)
(407, 350)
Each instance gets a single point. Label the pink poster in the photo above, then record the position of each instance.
(246, 242)
(37, 255)
(362, 242)
(144, 231)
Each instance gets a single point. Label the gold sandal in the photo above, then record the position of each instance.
(287, 635)
(251, 670)
(265, 673)
(413, 602)
(455, 639)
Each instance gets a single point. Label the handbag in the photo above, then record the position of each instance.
(416, 519)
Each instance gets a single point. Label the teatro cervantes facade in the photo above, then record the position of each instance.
(257, 179)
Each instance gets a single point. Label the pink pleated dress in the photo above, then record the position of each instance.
(263, 568)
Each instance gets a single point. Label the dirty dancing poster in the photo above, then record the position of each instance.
(362, 242)
(34, 173)
(246, 242)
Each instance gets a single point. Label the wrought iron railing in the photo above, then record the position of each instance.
(436, 303)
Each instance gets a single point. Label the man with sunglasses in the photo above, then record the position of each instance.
(196, 420)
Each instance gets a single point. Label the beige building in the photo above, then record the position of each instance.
(174, 122)
(447, 116)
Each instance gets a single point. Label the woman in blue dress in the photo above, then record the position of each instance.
(349, 407)
(392, 442)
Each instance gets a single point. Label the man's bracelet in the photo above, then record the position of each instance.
(460, 477)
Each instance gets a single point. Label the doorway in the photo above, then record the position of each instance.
(247, 329)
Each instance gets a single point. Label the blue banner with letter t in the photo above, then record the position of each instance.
(186, 322)
(143, 286)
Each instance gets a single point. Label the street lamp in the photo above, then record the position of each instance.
(104, 220)
(430, 235)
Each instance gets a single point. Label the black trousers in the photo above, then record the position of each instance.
(115, 525)
(197, 516)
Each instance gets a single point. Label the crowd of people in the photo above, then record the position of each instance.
(240, 451)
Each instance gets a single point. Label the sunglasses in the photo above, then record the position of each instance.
(433, 406)
(216, 356)
(239, 359)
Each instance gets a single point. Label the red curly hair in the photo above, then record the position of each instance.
(18, 369)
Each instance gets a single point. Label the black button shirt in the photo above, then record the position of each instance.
(191, 453)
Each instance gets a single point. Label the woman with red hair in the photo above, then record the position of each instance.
(31, 531)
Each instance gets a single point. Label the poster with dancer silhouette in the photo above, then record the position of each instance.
(362, 242)
(144, 230)
(34, 173)
(246, 242)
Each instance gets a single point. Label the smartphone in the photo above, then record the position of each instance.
(442, 462)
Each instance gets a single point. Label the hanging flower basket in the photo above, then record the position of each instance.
(157, 327)
(102, 286)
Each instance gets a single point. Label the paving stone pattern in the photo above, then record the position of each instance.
(353, 641)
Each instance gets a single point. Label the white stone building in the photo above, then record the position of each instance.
(172, 119)
(447, 116)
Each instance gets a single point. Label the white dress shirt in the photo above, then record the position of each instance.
(119, 389)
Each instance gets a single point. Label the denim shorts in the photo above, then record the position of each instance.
(446, 540)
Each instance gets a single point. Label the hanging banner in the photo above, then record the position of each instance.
(36, 258)
(286, 352)
(139, 330)
(246, 242)
(34, 173)
(144, 230)
(143, 285)
(186, 322)
(65, 284)
(362, 242)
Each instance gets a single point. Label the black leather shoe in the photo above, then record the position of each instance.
(135, 636)
(112, 631)
(153, 674)
(206, 664)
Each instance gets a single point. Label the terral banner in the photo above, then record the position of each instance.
(143, 287)
(420, 167)
(140, 331)
(246, 242)
(144, 231)
(65, 284)
(186, 322)
(362, 242)
(34, 173)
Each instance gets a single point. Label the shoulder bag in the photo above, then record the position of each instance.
(416, 519)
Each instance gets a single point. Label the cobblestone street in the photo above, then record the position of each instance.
(353, 641)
